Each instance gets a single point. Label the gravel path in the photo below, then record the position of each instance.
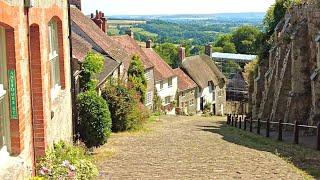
(188, 148)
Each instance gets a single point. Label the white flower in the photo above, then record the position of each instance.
(65, 163)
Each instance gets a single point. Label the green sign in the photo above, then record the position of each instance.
(13, 94)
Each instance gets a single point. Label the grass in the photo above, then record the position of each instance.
(305, 161)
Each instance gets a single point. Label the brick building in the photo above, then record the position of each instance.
(35, 96)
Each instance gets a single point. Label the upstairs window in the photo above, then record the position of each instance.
(170, 82)
(54, 59)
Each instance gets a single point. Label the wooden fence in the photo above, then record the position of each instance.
(237, 121)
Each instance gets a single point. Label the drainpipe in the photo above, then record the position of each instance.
(26, 10)
(73, 94)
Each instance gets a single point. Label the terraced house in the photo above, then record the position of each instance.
(35, 96)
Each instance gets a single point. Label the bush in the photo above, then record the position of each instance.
(94, 119)
(126, 111)
(65, 161)
(92, 65)
(136, 78)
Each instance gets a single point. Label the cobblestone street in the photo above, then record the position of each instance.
(188, 148)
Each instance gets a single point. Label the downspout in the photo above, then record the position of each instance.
(73, 95)
(30, 80)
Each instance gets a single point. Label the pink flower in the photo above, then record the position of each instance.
(44, 170)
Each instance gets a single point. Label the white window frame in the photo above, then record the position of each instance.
(149, 98)
(54, 60)
(165, 100)
(170, 83)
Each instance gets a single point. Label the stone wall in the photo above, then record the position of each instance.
(287, 85)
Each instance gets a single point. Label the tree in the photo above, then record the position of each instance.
(224, 44)
(245, 39)
(136, 77)
(92, 65)
(169, 53)
(230, 67)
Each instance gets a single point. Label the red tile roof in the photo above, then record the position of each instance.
(80, 47)
(162, 70)
(184, 81)
(99, 37)
(133, 48)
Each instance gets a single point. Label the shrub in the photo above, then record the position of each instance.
(126, 110)
(65, 161)
(94, 119)
(136, 77)
(92, 65)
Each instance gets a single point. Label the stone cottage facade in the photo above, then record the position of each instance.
(211, 81)
(35, 88)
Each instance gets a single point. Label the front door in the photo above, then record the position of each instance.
(202, 103)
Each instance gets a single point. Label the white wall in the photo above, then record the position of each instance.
(167, 91)
(207, 93)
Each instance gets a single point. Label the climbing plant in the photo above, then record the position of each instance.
(136, 77)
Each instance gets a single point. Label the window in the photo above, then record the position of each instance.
(170, 82)
(54, 59)
(167, 100)
(147, 75)
(182, 94)
(191, 102)
(149, 98)
(4, 102)
(161, 85)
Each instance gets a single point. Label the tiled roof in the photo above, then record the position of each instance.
(132, 48)
(202, 70)
(80, 47)
(92, 32)
(184, 81)
(162, 70)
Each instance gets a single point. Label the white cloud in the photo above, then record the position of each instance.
(142, 7)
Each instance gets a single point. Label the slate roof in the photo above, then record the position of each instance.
(80, 47)
(162, 70)
(110, 66)
(202, 70)
(184, 81)
(101, 42)
(133, 48)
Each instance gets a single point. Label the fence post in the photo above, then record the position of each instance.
(280, 130)
(251, 121)
(259, 126)
(245, 123)
(228, 119)
(296, 132)
(240, 121)
(318, 137)
(232, 120)
(236, 122)
(268, 128)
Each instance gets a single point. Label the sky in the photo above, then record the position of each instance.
(159, 7)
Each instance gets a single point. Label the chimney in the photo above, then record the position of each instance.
(130, 33)
(76, 3)
(100, 20)
(148, 43)
(208, 50)
(181, 53)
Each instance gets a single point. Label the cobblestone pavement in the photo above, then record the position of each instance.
(188, 148)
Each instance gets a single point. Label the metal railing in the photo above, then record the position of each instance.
(236, 121)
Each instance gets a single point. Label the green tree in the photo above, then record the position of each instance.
(230, 67)
(94, 119)
(92, 65)
(169, 53)
(136, 77)
(245, 39)
(224, 44)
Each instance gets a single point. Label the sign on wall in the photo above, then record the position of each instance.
(13, 94)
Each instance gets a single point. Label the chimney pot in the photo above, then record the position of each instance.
(130, 33)
(92, 16)
(148, 43)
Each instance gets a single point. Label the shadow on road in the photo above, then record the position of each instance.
(303, 158)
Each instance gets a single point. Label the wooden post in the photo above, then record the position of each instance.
(296, 132)
(268, 128)
(318, 137)
(232, 120)
(236, 122)
(280, 130)
(251, 121)
(259, 126)
(228, 119)
(240, 121)
(245, 123)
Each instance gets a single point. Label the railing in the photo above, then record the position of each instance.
(236, 121)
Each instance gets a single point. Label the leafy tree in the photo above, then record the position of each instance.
(92, 65)
(245, 39)
(136, 77)
(94, 119)
(169, 53)
(230, 67)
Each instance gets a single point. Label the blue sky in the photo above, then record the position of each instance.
(149, 7)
